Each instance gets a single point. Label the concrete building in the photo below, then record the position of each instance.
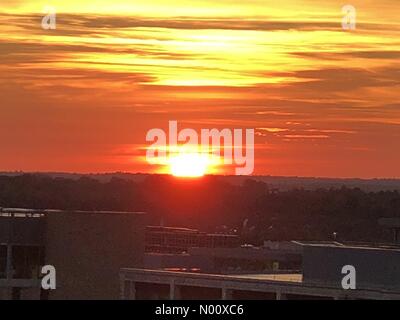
(179, 240)
(377, 277)
(227, 260)
(249, 259)
(376, 267)
(87, 250)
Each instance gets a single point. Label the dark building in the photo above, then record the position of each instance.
(248, 259)
(376, 267)
(179, 240)
(377, 277)
(87, 250)
(244, 259)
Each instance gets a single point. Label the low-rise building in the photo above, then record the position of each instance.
(377, 276)
(87, 249)
(178, 240)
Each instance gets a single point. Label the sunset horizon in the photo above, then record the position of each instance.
(199, 158)
(322, 101)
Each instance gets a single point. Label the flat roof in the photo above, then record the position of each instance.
(28, 212)
(284, 283)
(161, 229)
(286, 277)
(178, 229)
(366, 246)
(267, 277)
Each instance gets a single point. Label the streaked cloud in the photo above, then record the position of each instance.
(89, 90)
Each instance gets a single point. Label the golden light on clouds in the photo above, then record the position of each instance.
(318, 95)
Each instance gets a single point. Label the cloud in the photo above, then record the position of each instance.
(273, 130)
(305, 136)
(104, 80)
(347, 79)
(367, 54)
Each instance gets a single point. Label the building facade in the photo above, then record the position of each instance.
(377, 276)
(179, 240)
(87, 250)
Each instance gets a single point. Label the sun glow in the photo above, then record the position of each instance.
(189, 165)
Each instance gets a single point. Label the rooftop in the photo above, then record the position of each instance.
(352, 245)
(32, 213)
(276, 277)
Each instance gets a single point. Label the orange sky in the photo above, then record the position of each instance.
(323, 101)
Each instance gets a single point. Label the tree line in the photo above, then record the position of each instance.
(253, 210)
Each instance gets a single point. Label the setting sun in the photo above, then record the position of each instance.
(189, 165)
